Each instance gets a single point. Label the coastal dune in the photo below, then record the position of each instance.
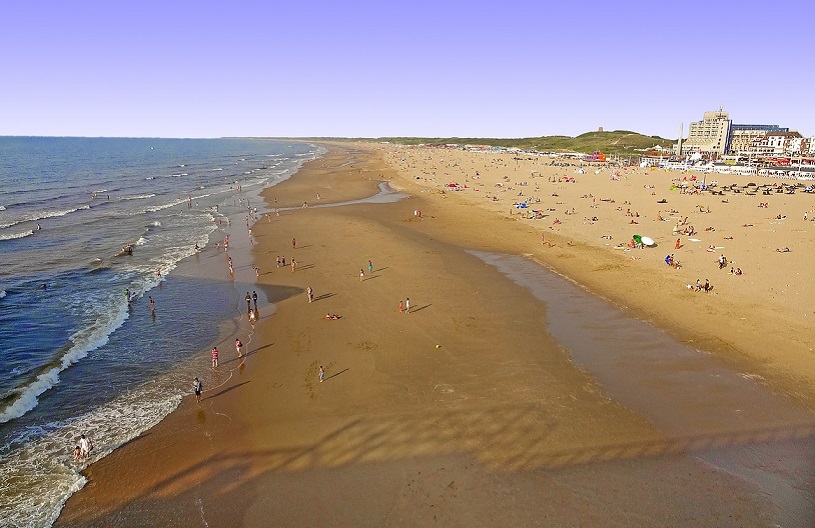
(463, 412)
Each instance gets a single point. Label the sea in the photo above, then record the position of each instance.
(78, 356)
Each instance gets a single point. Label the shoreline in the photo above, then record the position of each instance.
(742, 324)
(449, 402)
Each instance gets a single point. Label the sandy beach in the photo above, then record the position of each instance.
(483, 405)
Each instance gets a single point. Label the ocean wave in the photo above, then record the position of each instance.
(16, 235)
(84, 341)
(154, 224)
(2, 293)
(141, 241)
(2, 207)
(40, 215)
(138, 197)
(38, 473)
(165, 206)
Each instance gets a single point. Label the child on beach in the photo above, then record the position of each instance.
(322, 374)
(239, 347)
(214, 357)
(197, 386)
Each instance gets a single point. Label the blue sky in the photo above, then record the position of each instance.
(467, 69)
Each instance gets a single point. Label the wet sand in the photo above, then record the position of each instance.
(494, 403)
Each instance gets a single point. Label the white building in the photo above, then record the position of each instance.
(709, 135)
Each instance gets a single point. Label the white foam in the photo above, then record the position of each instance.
(165, 206)
(2, 293)
(141, 241)
(85, 340)
(44, 214)
(138, 197)
(16, 235)
(38, 473)
(2, 207)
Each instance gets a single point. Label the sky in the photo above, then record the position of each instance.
(420, 68)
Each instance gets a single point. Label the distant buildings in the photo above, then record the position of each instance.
(716, 136)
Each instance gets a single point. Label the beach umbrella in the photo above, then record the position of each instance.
(637, 239)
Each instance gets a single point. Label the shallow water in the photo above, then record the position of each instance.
(78, 358)
(725, 418)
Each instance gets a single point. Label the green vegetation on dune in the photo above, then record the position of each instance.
(622, 142)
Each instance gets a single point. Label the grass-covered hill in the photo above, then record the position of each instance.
(616, 142)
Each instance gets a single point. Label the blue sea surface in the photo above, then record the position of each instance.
(77, 357)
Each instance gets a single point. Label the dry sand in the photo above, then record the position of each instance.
(763, 321)
(495, 426)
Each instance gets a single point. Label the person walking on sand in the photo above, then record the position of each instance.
(678, 243)
(248, 300)
(294, 243)
(239, 347)
(255, 299)
(401, 306)
(370, 266)
(310, 294)
(322, 374)
(214, 357)
(407, 304)
(293, 265)
(197, 386)
(361, 275)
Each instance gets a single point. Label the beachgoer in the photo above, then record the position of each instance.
(407, 304)
(293, 264)
(255, 298)
(252, 316)
(77, 453)
(85, 446)
(248, 299)
(239, 347)
(678, 243)
(294, 243)
(361, 275)
(152, 304)
(707, 286)
(310, 294)
(197, 386)
(214, 357)
(370, 266)
(322, 373)
(401, 306)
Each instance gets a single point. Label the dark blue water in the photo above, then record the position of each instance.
(77, 356)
